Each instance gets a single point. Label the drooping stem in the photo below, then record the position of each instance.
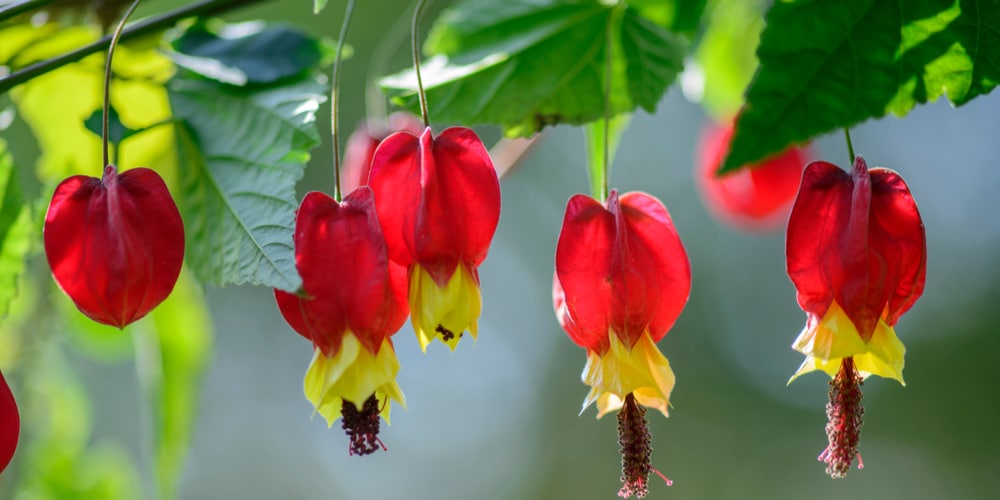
(334, 100)
(107, 79)
(607, 110)
(850, 146)
(416, 60)
(153, 24)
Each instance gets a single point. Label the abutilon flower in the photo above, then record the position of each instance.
(622, 278)
(857, 254)
(352, 301)
(362, 143)
(438, 200)
(756, 197)
(115, 244)
(10, 424)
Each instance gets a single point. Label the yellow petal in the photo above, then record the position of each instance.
(834, 337)
(444, 313)
(352, 374)
(642, 370)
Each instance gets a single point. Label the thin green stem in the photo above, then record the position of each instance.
(608, 75)
(416, 61)
(18, 8)
(107, 80)
(144, 27)
(850, 146)
(334, 101)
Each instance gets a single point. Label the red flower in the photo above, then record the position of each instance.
(857, 255)
(10, 424)
(363, 142)
(622, 278)
(438, 200)
(756, 197)
(115, 245)
(352, 300)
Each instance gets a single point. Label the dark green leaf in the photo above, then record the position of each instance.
(247, 54)
(117, 131)
(679, 16)
(527, 64)
(15, 230)
(241, 154)
(827, 65)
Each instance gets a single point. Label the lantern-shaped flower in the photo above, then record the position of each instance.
(857, 255)
(622, 278)
(10, 424)
(438, 200)
(352, 300)
(756, 197)
(116, 244)
(363, 142)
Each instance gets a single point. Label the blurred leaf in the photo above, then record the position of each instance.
(95, 340)
(827, 65)
(117, 132)
(57, 104)
(529, 64)
(16, 230)
(243, 152)
(247, 53)
(679, 16)
(594, 135)
(318, 6)
(727, 55)
(184, 340)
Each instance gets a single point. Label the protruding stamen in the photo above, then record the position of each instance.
(844, 419)
(362, 426)
(635, 444)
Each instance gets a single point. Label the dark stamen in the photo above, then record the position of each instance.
(446, 334)
(844, 418)
(362, 426)
(635, 444)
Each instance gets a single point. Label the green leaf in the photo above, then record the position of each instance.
(16, 230)
(318, 6)
(247, 53)
(182, 341)
(678, 16)
(524, 65)
(828, 65)
(727, 55)
(117, 131)
(241, 154)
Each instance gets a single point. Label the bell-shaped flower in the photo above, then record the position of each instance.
(353, 299)
(116, 244)
(622, 278)
(10, 424)
(438, 200)
(756, 197)
(364, 140)
(857, 254)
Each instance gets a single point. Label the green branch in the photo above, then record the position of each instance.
(150, 25)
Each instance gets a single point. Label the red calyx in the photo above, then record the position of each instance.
(756, 197)
(438, 199)
(348, 281)
(619, 266)
(10, 424)
(856, 238)
(116, 244)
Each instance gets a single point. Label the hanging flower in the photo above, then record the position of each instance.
(438, 200)
(352, 301)
(362, 143)
(10, 424)
(116, 244)
(622, 278)
(857, 256)
(756, 197)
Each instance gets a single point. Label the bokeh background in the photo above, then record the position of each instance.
(498, 419)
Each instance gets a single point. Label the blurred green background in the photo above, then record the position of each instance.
(498, 419)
